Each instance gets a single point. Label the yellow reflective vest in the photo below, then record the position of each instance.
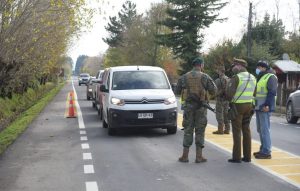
(245, 88)
(262, 91)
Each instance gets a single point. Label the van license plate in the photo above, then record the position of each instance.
(145, 115)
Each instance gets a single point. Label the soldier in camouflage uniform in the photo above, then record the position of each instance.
(222, 105)
(196, 84)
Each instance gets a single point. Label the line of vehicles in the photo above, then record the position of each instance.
(141, 96)
(132, 96)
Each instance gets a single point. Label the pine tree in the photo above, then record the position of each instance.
(118, 26)
(186, 19)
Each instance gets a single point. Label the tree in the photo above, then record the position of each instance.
(118, 26)
(34, 36)
(79, 64)
(186, 20)
(221, 56)
(268, 33)
(292, 46)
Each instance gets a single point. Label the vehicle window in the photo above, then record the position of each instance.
(126, 80)
(108, 80)
(84, 75)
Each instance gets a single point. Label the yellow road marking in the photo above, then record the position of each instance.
(283, 164)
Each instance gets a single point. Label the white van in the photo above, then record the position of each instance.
(138, 96)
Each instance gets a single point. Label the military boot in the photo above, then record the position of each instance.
(227, 129)
(199, 157)
(220, 130)
(185, 155)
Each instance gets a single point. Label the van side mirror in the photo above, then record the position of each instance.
(103, 88)
(97, 81)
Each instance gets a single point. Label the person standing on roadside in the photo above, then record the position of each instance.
(222, 105)
(239, 93)
(196, 84)
(265, 102)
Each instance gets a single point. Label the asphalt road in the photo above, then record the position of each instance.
(54, 154)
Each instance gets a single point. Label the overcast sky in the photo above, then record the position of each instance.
(236, 11)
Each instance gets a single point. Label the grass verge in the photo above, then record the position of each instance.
(11, 133)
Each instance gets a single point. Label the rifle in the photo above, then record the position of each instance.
(194, 98)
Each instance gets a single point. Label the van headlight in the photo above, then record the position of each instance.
(170, 100)
(117, 101)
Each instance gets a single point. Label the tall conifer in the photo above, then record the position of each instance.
(186, 20)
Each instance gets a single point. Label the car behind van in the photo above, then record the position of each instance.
(138, 96)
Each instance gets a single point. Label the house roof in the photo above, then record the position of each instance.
(287, 66)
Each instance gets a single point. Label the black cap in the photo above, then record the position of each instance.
(263, 64)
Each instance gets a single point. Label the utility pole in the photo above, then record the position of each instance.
(249, 40)
(299, 9)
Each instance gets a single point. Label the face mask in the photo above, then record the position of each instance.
(257, 71)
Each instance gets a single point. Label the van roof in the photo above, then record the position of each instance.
(135, 68)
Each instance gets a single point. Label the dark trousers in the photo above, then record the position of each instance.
(241, 124)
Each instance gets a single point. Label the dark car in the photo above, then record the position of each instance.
(293, 107)
(83, 79)
(89, 88)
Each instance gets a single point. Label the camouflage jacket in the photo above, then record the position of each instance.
(206, 82)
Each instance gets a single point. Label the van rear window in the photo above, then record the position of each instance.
(127, 80)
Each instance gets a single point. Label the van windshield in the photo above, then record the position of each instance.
(84, 75)
(127, 80)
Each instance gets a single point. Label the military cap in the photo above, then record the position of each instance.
(242, 62)
(197, 61)
(263, 64)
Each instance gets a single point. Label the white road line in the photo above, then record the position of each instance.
(88, 169)
(79, 114)
(87, 156)
(85, 146)
(91, 186)
(285, 124)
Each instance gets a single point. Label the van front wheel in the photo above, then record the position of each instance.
(172, 130)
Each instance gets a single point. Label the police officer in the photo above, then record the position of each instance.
(265, 102)
(222, 105)
(240, 92)
(196, 84)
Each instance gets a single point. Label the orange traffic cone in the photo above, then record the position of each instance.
(72, 109)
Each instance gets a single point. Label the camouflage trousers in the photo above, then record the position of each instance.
(222, 112)
(194, 121)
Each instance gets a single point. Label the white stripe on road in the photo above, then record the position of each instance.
(87, 156)
(88, 169)
(285, 124)
(91, 186)
(79, 114)
(85, 146)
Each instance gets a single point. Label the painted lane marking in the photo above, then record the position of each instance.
(285, 124)
(88, 169)
(85, 146)
(280, 158)
(79, 113)
(91, 186)
(87, 156)
(83, 138)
